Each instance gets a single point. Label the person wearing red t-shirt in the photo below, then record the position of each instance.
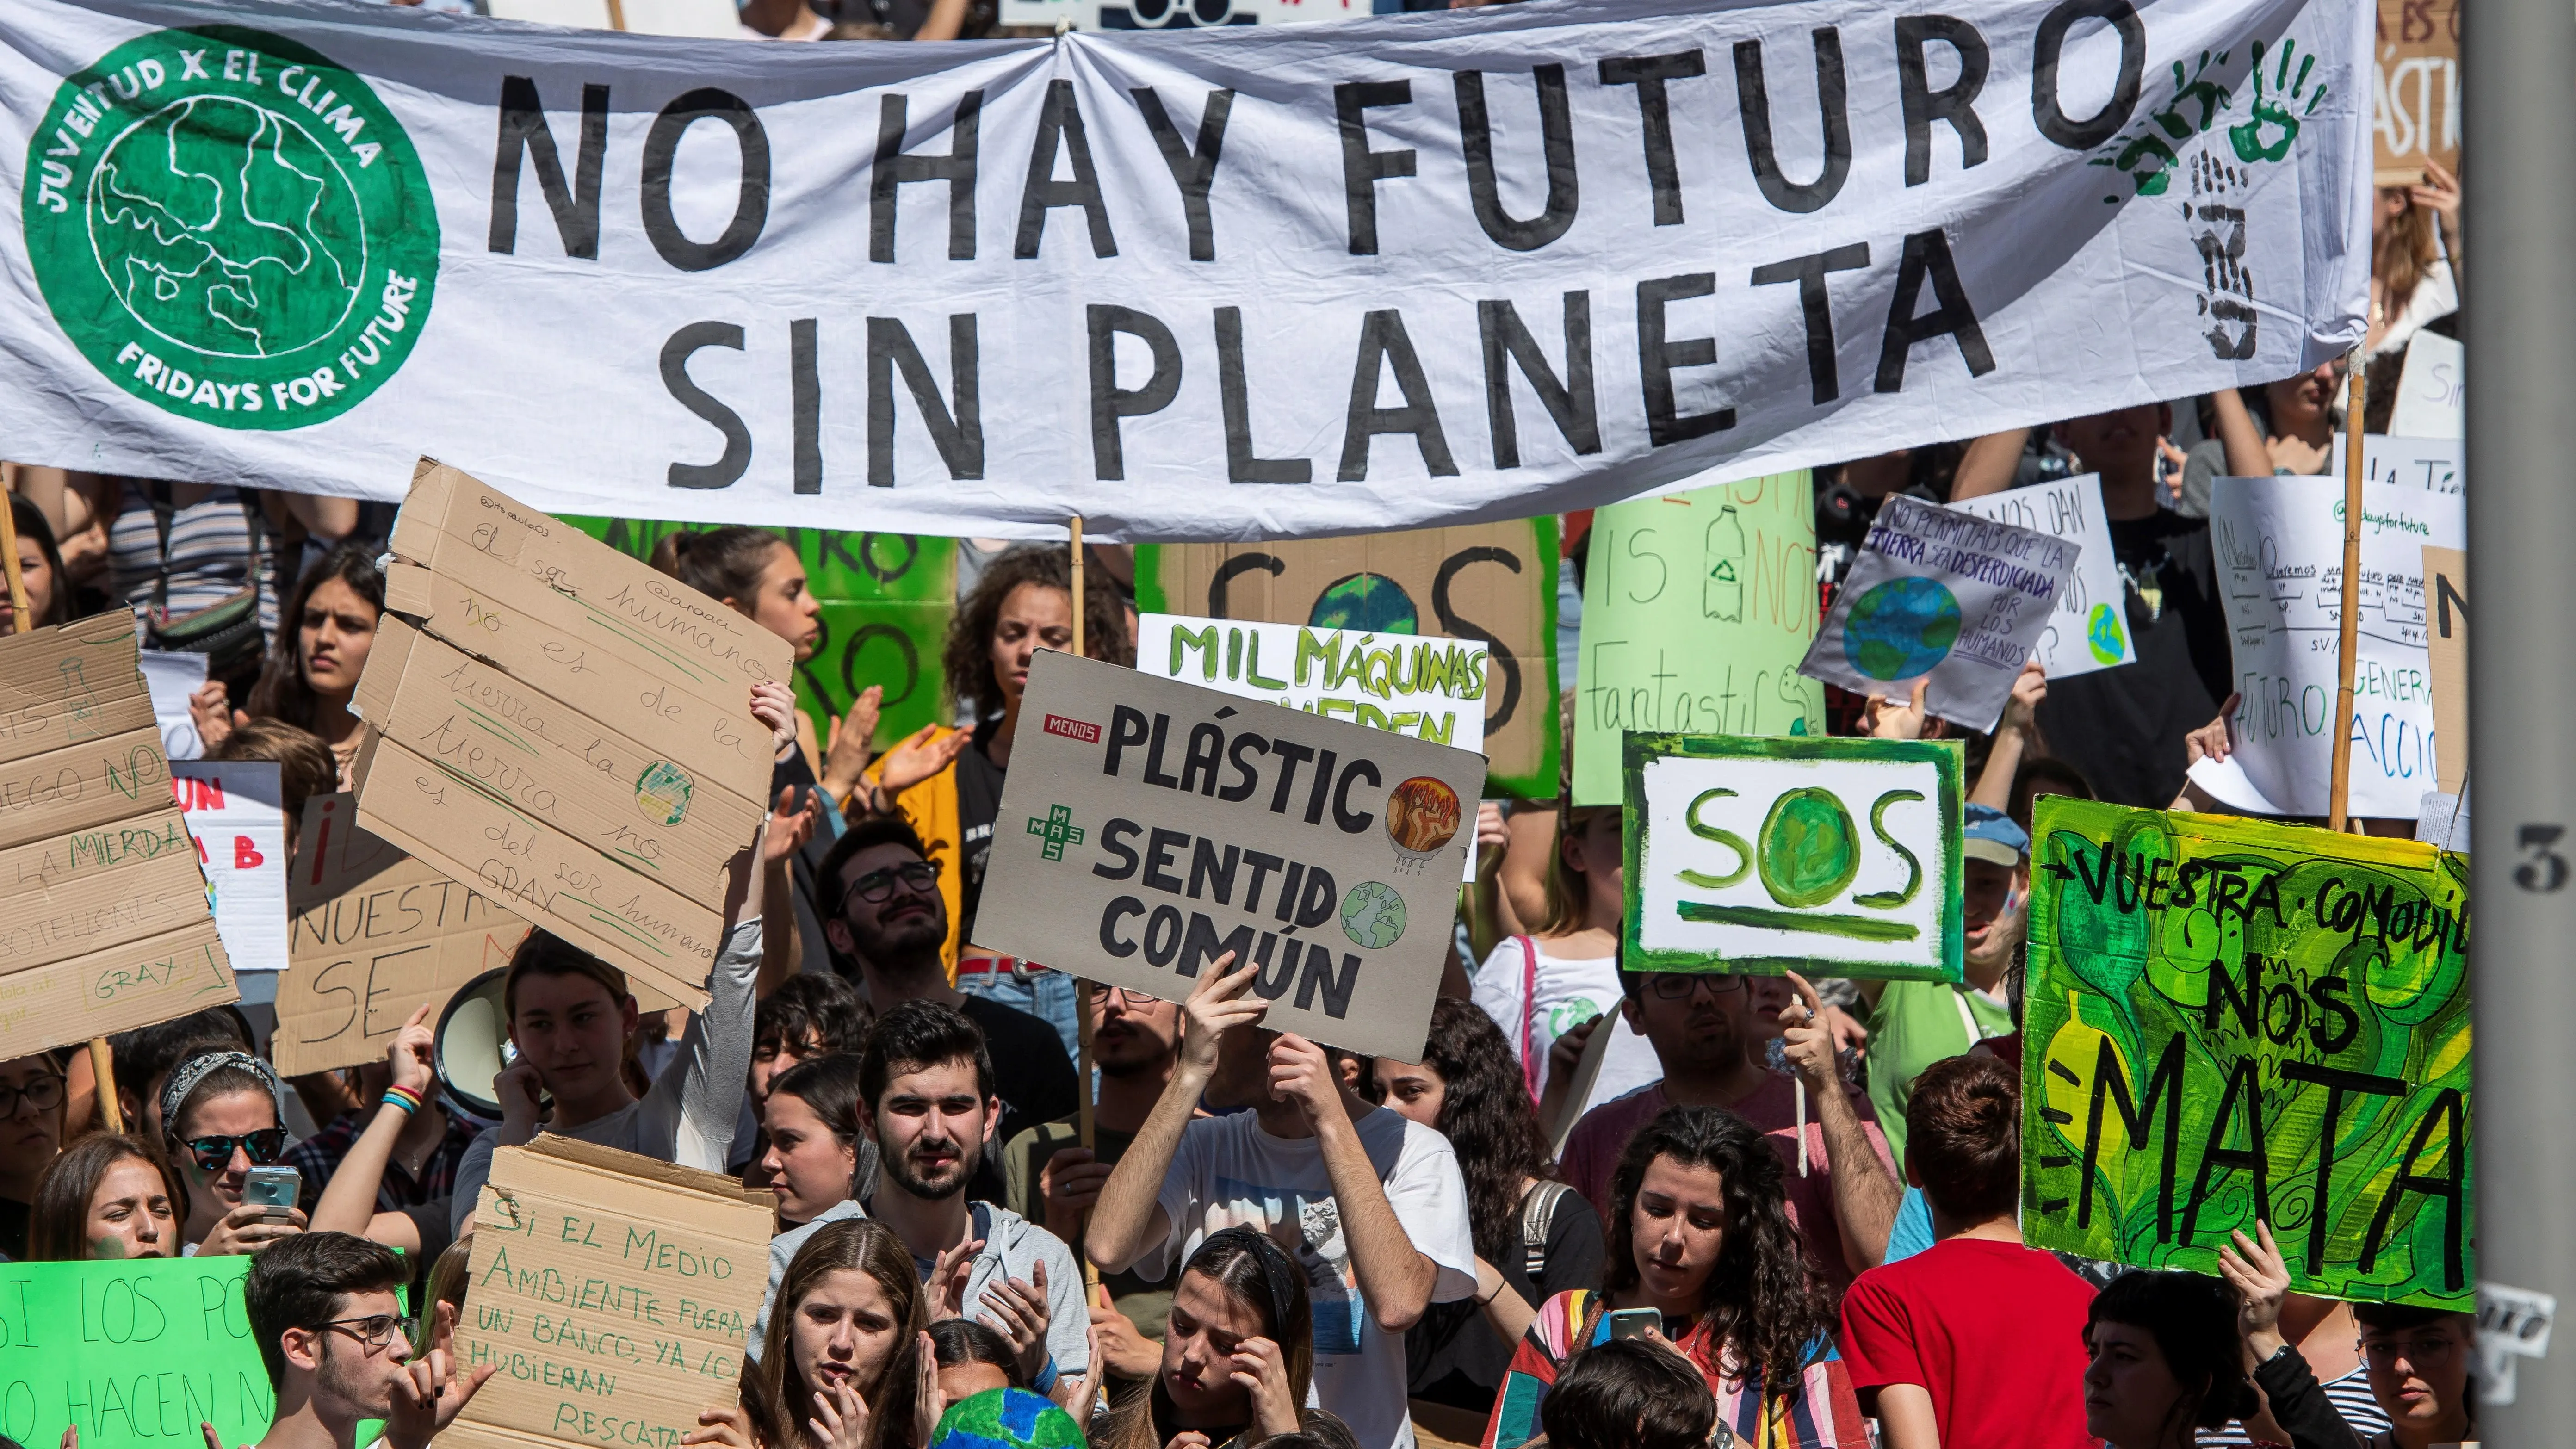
(1976, 1342)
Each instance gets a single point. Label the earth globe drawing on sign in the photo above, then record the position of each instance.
(223, 226)
(2103, 636)
(1901, 628)
(1371, 603)
(1373, 914)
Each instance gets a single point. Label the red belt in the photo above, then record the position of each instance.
(1000, 965)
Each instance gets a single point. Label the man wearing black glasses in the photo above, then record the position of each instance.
(336, 1342)
(886, 924)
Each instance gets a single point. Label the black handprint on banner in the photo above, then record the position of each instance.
(2218, 231)
(2266, 135)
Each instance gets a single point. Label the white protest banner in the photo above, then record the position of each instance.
(1748, 853)
(2279, 548)
(2432, 389)
(1149, 826)
(1407, 270)
(234, 814)
(1179, 14)
(1942, 594)
(2088, 631)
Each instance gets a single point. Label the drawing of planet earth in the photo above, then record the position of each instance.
(1371, 603)
(2102, 634)
(1373, 915)
(1901, 628)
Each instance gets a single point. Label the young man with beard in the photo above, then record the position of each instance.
(1053, 1179)
(886, 922)
(1707, 1032)
(1913, 1024)
(926, 1089)
(334, 1337)
(1369, 1204)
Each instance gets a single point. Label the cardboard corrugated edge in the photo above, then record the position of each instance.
(691, 994)
(40, 708)
(116, 778)
(405, 695)
(51, 885)
(35, 1013)
(447, 610)
(652, 1169)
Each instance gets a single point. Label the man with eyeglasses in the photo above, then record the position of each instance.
(31, 1133)
(887, 925)
(334, 1338)
(1054, 1180)
(1706, 1029)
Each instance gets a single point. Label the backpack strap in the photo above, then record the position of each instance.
(1538, 1217)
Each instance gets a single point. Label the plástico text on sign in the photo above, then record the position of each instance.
(2230, 1019)
(1150, 826)
(1838, 857)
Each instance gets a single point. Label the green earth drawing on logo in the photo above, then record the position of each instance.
(1809, 849)
(231, 227)
(1372, 603)
(1901, 628)
(2102, 634)
(662, 793)
(1373, 914)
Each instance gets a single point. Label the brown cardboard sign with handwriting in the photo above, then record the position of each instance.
(1149, 826)
(2446, 642)
(612, 1293)
(103, 918)
(359, 964)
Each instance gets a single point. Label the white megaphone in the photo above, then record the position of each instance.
(473, 1046)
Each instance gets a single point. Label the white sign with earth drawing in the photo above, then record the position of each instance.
(2090, 629)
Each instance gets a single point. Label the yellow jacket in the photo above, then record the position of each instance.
(931, 809)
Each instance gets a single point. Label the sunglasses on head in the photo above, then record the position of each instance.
(214, 1154)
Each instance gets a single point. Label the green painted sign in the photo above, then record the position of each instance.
(886, 602)
(135, 1352)
(1697, 608)
(231, 227)
(2229, 1019)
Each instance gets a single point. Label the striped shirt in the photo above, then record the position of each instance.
(2351, 1397)
(209, 553)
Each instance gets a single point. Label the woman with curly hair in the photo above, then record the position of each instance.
(947, 784)
(1535, 1237)
(1700, 1236)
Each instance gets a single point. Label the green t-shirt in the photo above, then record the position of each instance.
(1146, 1301)
(1916, 1024)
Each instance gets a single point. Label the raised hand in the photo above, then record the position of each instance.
(928, 1401)
(210, 708)
(1017, 1310)
(774, 704)
(852, 742)
(1302, 1072)
(918, 758)
(840, 1418)
(427, 1399)
(1216, 1005)
(2211, 740)
(1807, 1038)
(2262, 1281)
(409, 1055)
(789, 827)
(948, 1279)
(1887, 721)
(2029, 691)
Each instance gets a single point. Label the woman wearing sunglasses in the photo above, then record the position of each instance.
(222, 1115)
(31, 1133)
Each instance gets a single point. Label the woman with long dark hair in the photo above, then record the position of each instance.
(314, 661)
(40, 566)
(842, 1364)
(106, 1196)
(1535, 1237)
(1699, 1234)
(1238, 1351)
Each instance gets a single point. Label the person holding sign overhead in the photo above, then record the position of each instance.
(572, 1020)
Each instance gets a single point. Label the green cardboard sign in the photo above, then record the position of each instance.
(1833, 857)
(136, 1352)
(2229, 1019)
(1697, 608)
(886, 601)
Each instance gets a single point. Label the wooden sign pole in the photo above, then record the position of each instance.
(1083, 1125)
(102, 1062)
(2348, 643)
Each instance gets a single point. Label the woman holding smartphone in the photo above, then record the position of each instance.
(223, 1118)
(1704, 1261)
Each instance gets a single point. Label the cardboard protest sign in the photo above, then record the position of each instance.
(2415, 90)
(132, 1352)
(234, 813)
(1838, 856)
(2088, 631)
(1943, 594)
(2446, 654)
(516, 771)
(2279, 548)
(407, 937)
(2230, 1019)
(614, 1294)
(886, 600)
(333, 854)
(108, 927)
(2432, 389)
(1139, 808)
(1491, 581)
(1697, 608)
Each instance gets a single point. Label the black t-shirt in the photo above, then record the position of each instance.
(1452, 1355)
(1031, 1074)
(15, 1220)
(979, 800)
(2124, 727)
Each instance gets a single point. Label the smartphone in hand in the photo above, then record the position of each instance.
(274, 1188)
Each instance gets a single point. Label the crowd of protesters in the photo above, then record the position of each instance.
(1785, 1216)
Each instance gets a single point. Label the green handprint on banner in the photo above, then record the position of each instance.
(2266, 135)
(2147, 159)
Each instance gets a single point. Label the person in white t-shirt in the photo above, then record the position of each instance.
(1371, 1205)
(1540, 986)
